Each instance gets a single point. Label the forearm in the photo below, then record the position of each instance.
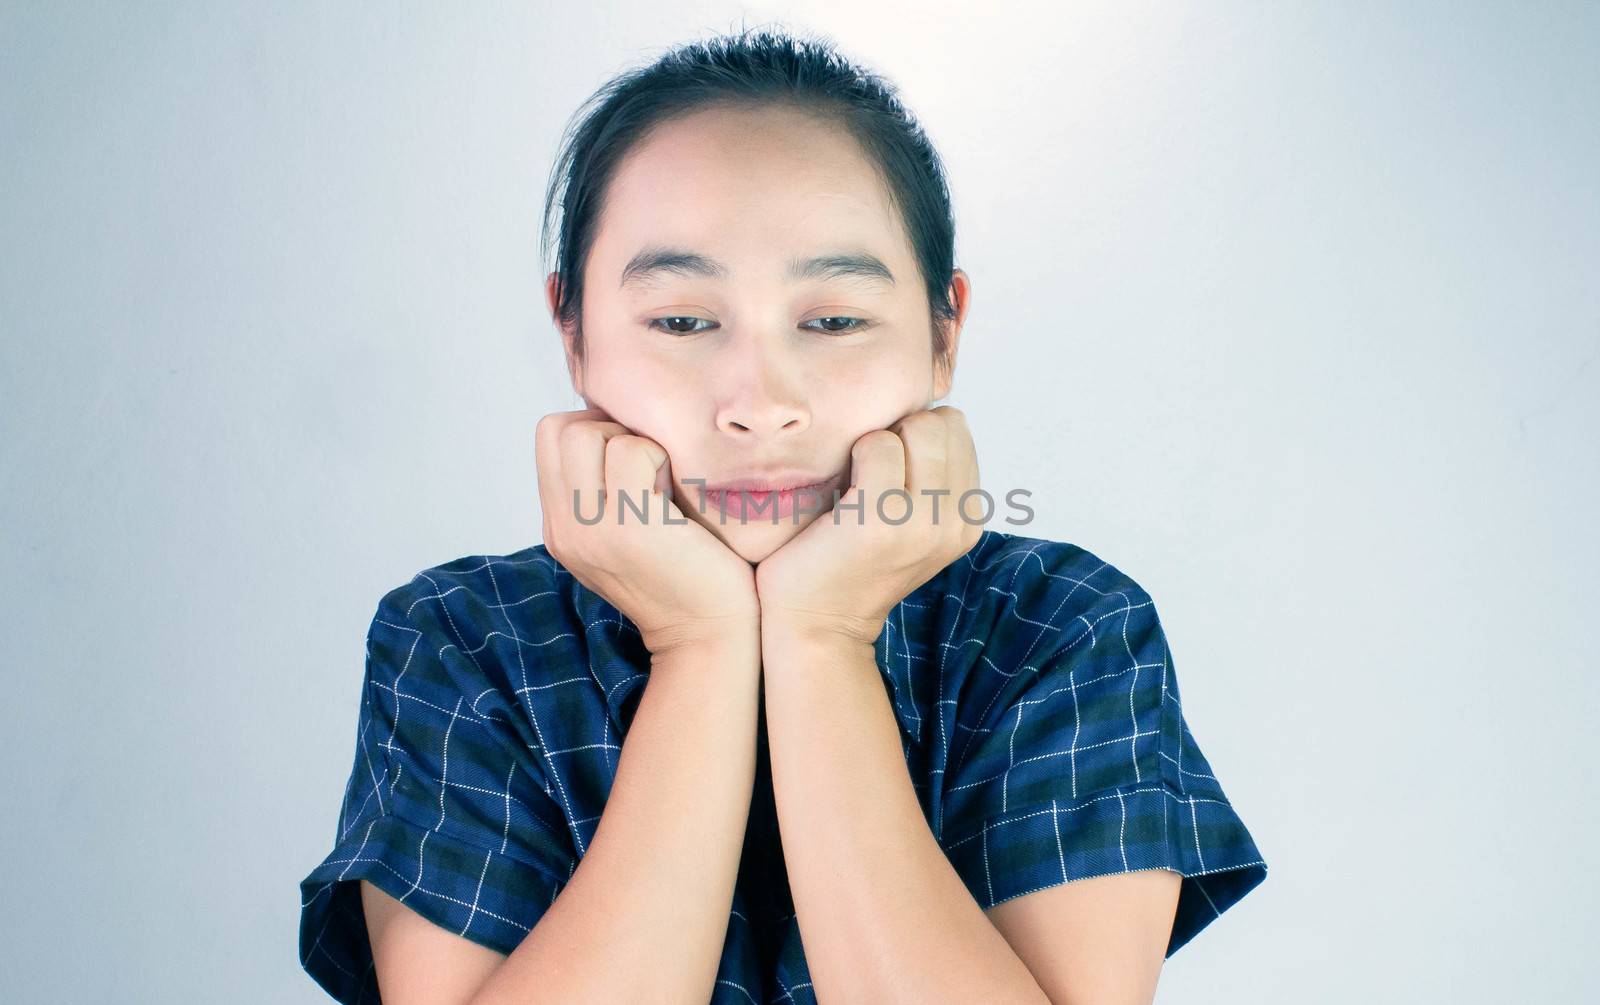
(645, 914)
(883, 914)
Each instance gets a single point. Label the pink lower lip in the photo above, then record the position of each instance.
(752, 506)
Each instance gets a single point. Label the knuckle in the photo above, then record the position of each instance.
(879, 439)
(927, 433)
(619, 451)
(545, 432)
(576, 435)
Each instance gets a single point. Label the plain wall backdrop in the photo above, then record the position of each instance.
(1289, 311)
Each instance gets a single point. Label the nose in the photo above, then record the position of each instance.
(763, 389)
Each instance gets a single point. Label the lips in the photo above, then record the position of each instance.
(780, 482)
(738, 499)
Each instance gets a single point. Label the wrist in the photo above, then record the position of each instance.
(726, 639)
(782, 631)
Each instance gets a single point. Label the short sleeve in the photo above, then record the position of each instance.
(446, 808)
(1078, 762)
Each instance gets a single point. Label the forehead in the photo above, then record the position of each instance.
(747, 184)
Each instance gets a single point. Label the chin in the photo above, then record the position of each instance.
(754, 540)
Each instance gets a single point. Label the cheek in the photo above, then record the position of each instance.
(642, 392)
(873, 389)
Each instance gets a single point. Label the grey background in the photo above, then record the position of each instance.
(1290, 311)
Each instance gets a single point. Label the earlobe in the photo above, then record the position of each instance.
(552, 292)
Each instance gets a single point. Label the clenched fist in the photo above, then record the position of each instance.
(677, 583)
(847, 569)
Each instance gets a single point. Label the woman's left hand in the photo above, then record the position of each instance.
(847, 570)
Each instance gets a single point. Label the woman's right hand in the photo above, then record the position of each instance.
(674, 579)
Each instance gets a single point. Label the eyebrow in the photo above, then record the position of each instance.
(656, 261)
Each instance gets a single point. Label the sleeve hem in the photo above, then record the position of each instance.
(478, 893)
(1128, 829)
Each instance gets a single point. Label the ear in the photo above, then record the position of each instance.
(552, 292)
(944, 369)
(552, 296)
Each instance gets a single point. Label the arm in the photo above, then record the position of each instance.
(1101, 939)
(883, 915)
(655, 887)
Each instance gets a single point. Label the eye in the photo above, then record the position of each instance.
(678, 331)
(852, 325)
(856, 324)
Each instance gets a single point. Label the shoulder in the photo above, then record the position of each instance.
(516, 631)
(479, 623)
(1033, 599)
(474, 588)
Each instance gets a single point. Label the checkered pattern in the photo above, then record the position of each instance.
(1031, 681)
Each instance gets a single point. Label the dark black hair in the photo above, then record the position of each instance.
(756, 68)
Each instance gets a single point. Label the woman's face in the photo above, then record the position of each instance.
(733, 353)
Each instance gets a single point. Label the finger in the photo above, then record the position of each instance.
(632, 465)
(877, 465)
(664, 478)
(547, 438)
(583, 451)
(553, 497)
(926, 435)
(962, 453)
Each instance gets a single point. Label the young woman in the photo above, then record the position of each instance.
(769, 675)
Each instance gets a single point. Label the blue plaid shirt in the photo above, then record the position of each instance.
(1031, 681)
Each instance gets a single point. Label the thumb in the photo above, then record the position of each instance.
(664, 474)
